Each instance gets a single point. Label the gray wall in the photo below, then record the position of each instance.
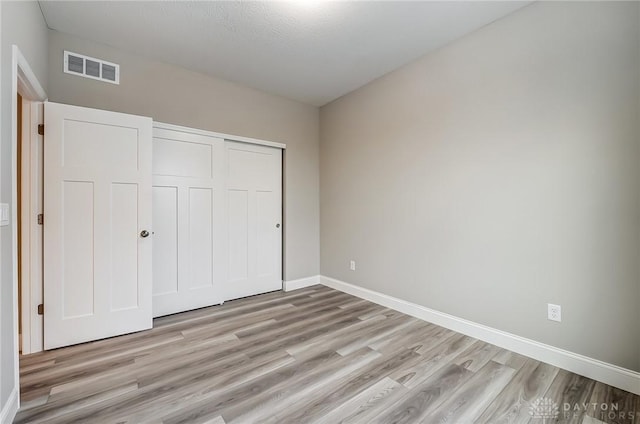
(23, 25)
(498, 174)
(174, 95)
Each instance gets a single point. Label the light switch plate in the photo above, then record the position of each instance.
(4, 214)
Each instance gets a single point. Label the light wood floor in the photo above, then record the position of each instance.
(312, 355)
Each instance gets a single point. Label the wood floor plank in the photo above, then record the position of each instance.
(416, 332)
(571, 389)
(395, 322)
(476, 356)
(93, 363)
(316, 406)
(313, 355)
(613, 406)
(511, 359)
(214, 402)
(35, 388)
(283, 397)
(36, 367)
(57, 409)
(435, 359)
(512, 405)
(467, 403)
(425, 397)
(362, 407)
(161, 396)
(231, 325)
(308, 332)
(306, 318)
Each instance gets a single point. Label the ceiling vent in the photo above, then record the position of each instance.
(89, 67)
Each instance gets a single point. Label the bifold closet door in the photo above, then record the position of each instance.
(97, 209)
(189, 252)
(254, 199)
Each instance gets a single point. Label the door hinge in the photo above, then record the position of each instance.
(41, 309)
(41, 129)
(40, 219)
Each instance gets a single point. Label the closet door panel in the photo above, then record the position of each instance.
(201, 216)
(254, 195)
(165, 240)
(189, 218)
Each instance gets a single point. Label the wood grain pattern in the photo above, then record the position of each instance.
(313, 355)
(571, 389)
(611, 405)
(466, 404)
(512, 404)
(420, 402)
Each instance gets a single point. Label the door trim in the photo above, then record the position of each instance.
(24, 82)
(31, 248)
(229, 137)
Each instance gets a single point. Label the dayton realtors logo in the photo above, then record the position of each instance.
(548, 410)
(544, 408)
(601, 411)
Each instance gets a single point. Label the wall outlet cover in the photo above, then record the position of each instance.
(554, 312)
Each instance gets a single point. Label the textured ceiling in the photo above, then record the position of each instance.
(311, 51)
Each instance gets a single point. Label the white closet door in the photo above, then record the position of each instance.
(97, 205)
(189, 252)
(254, 198)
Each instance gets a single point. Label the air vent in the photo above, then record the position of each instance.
(90, 67)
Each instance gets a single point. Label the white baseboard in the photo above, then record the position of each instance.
(301, 283)
(10, 409)
(592, 368)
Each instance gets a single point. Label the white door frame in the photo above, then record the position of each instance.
(25, 83)
(31, 202)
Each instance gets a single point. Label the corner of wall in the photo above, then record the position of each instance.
(10, 409)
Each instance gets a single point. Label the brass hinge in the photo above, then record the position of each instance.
(41, 129)
(41, 309)
(40, 219)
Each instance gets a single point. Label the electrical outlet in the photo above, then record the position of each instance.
(554, 312)
(352, 265)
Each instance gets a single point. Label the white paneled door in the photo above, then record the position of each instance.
(254, 210)
(189, 245)
(97, 208)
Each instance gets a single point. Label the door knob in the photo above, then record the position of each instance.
(144, 233)
(277, 225)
